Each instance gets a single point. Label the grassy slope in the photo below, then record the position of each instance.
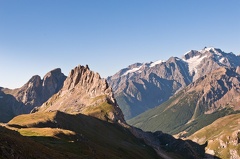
(101, 111)
(81, 135)
(225, 131)
(172, 116)
(13, 145)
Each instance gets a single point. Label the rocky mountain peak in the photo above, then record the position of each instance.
(52, 83)
(191, 54)
(220, 89)
(35, 92)
(206, 52)
(84, 91)
(34, 81)
(93, 84)
(81, 75)
(212, 50)
(55, 72)
(135, 65)
(171, 59)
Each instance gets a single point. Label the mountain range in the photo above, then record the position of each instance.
(142, 86)
(81, 120)
(184, 95)
(199, 104)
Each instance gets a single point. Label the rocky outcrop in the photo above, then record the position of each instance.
(219, 89)
(30, 93)
(84, 91)
(52, 82)
(222, 137)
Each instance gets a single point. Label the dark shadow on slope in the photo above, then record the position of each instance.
(104, 137)
(100, 138)
(13, 145)
(167, 145)
(186, 148)
(9, 106)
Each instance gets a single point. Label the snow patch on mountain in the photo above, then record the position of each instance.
(132, 70)
(212, 50)
(223, 60)
(193, 58)
(156, 63)
(209, 48)
(194, 62)
(142, 66)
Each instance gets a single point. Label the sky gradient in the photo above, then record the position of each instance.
(37, 36)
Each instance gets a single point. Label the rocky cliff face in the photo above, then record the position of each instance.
(34, 93)
(219, 89)
(206, 60)
(143, 86)
(151, 85)
(84, 91)
(37, 90)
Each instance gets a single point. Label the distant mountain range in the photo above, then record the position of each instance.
(199, 104)
(143, 86)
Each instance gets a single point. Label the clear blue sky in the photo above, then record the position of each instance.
(37, 36)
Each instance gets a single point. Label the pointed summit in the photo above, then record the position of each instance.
(212, 50)
(84, 91)
(191, 54)
(34, 93)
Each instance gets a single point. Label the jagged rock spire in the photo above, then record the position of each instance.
(84, 91)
